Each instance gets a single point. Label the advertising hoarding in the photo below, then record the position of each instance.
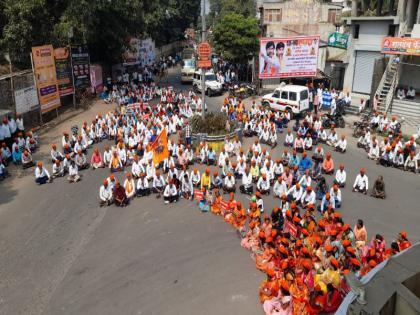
(80, 64)
(288, 57)
(401, 46)
(45, 77)
(63, 70)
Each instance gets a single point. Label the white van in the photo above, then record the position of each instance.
(212, 86)
(294, 98)
(187, 71)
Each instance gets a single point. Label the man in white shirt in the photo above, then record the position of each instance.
(58, 169)
(42, 176)
(374, 151)
(246, 187)
(295, 193)
(289, 140)
(142, 186)
(341, 145)
(136, 167)
(105, 194)
(335, 193)
(340, 176)
(158, 184)
(5, 134)
(279, 188)
(73, 172)
(229, 183)
(263, 184)
(171, 193)
(308, 197)
(361, 184)
(411, 93)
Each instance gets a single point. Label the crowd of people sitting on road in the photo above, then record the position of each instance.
(302, 245)
(392, 150)
(17, 145)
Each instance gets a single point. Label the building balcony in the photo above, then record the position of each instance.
(356, 19)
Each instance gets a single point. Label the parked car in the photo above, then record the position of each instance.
(294, 98)
(212, 86)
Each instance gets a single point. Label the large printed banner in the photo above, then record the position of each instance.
(147, 52)
(139, 52)
(63, 69)
(80, 63)
(131, 55)
(288, 57)
(45, 77)
(401, 46)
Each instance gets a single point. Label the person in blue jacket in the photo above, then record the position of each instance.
(305, 163)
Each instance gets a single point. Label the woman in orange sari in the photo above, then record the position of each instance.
(263, 260)
(251, 240)
(216, 207)
(269, 288)
(240, 216)
(300, 296)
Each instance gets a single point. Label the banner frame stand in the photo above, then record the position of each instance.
(33, 73)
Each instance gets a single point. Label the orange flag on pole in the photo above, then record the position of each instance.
(160, 148)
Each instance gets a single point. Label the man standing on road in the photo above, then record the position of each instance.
(188, 133)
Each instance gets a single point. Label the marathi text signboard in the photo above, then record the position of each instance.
(80, 66)
(288, 57)
(63, 70)
(26, 100)
(204, 52)
(45, 77)
(338, 40)
(401, 46)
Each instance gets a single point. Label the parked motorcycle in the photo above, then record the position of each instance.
(329, 120)
(243, 90)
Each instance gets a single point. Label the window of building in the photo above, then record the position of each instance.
(391, 30)
(333, 16)
(272, 15)
(356, 31)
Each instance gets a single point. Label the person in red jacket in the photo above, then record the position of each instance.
(333, 299)
(403, 242)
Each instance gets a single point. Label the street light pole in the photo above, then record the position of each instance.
(203, 71)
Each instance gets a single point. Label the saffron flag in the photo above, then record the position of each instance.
(160, 148)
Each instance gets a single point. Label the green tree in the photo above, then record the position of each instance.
(219, 8)
(235, 37)
(101, 24)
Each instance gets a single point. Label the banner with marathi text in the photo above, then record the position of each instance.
(160, 148)
(401, 46)
(45, 77)
(288, 57)
(63, 70)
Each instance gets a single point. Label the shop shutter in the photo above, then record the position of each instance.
(363, 71)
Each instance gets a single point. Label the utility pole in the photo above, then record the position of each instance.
(203, 71)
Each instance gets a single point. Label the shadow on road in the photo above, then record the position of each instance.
(7, 192)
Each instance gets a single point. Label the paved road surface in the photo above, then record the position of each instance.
(62, 254)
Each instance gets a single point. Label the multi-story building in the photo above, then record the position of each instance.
(370, 71)
(307, 17)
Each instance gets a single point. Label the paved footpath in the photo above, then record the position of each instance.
(62, 254)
